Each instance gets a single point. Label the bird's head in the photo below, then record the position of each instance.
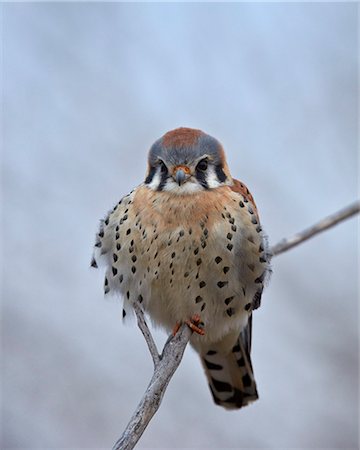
(186, 161)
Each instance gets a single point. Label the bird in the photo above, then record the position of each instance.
(187, 245)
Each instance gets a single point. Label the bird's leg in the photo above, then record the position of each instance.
(192, 323)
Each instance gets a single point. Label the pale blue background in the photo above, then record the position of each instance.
(87, 88)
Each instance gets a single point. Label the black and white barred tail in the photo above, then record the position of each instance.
(230, 375)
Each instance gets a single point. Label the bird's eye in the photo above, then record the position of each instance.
(203, 165)
(163, 167)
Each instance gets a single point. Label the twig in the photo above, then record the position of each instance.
(149, 404)
(330, 221)
(147, 335)
(168, 362)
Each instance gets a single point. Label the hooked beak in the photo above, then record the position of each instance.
(180, 174)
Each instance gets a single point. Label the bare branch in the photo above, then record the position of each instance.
(149, 404)
(146, 333)
(323, 225)
(166, 364)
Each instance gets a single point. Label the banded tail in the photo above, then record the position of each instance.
(230, 375)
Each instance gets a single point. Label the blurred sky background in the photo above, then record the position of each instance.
(87, 88)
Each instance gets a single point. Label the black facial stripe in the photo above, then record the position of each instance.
(164, 177)
(220, 173)
(201, 177)
(151, 175)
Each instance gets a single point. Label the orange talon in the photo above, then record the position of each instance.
(193, 324)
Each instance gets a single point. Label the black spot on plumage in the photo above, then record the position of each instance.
(221, 284)
(117, 228)
(203, 306)
(140, 298)
(186, 274)
(171, 265)
(246, 380)
(101, 233)
(229, 300)
(93, 263)
(230, 247)
(128, 295)
(114, 270)
(125, 217)
(106, 221)
(226, 269)
(254, 221)
(181, 233)
(229, 236)
(106, 282)
(258, 229)
(118, 246)
(202, 284)
(173, 255)
(251, 211)
(121, 277)
(131, 249)
(245, 200)
(244, 291)
(262, 259)
(231, 220)
(218, 259)
(206, 232)
(133, 258)
(236, 348)
(133, 269)
(247, 306)
(233, 228)
(260, 279)
(198, 262)
(241, 204)
(123, 313)
(211, 352)
(261, 248)
(203, 244)
(98, 244)
(198, 299)
(117, 235)
(196, 251)
(241, 362)
(128, 231)
(156, 254)
(190, 231)
(221, 386)
(230, 312)
(212, 366)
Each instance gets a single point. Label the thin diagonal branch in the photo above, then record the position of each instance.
(169, 361)
(328, 222)
(149, 404)
(146, 333)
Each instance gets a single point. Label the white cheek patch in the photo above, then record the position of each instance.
(155, 182)
(211, 178)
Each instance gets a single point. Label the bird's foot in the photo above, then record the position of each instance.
(193, 324)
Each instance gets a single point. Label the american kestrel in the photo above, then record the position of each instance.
(188, 246)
